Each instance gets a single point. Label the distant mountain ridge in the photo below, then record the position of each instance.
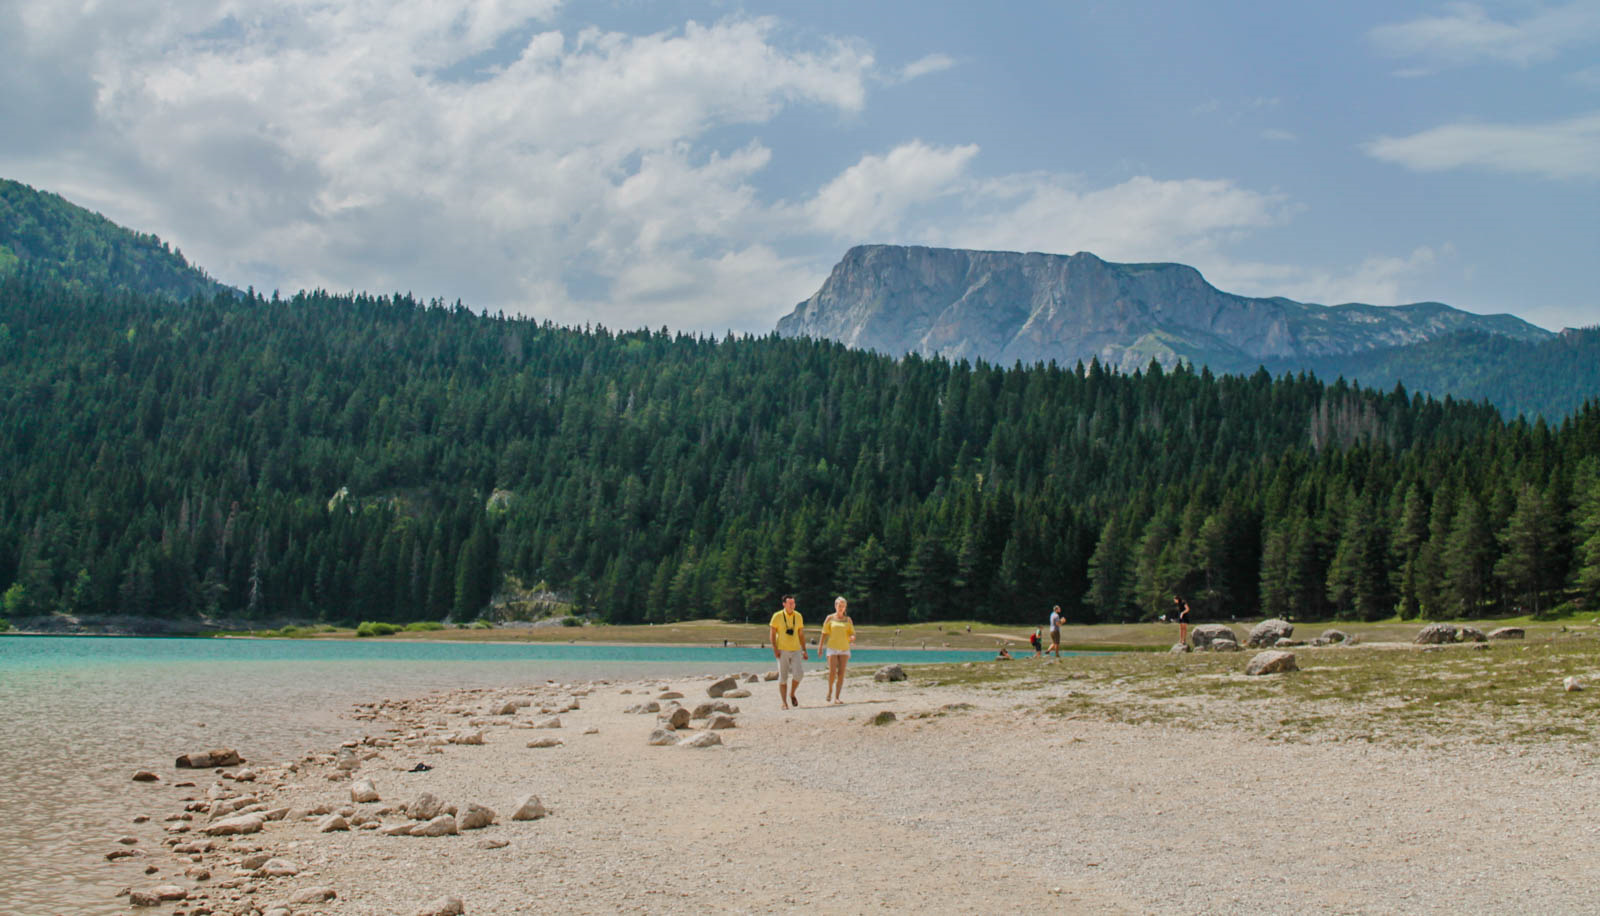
(50, 236)
(1007, 306)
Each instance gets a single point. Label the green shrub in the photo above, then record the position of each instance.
(373, 628)
(482, 625)
(4, 624)
(424, 626)
(570, 621)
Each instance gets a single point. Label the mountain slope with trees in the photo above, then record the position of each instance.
(1547, 378)
(344, 458)
(48, 236)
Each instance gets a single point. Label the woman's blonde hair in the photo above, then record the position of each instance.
(840, 600)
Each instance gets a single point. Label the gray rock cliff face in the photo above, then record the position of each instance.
(1005, 306)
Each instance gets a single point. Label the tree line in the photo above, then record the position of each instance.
(355, 457)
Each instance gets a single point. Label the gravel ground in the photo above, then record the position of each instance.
(973, 801)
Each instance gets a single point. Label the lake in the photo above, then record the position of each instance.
(78, 715)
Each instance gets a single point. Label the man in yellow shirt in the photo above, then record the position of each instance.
(789, 647)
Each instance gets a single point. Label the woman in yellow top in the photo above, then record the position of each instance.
(837, 635)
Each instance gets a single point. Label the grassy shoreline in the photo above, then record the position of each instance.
(959, 634)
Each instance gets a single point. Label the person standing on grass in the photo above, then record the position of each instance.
(1055, 631)
(1181, 607)
(789, 648)
(838, 632)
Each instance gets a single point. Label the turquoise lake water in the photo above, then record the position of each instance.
(78, 715)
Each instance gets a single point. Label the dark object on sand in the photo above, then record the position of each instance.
(420, 768)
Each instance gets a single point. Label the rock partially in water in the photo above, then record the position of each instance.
(234, 826)
(146, 776)
(156, 896)
(204, 760)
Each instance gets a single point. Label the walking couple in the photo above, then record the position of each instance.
(789, 648)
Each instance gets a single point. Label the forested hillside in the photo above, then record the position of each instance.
(348, 458)
(1546, 378)
(47, 236)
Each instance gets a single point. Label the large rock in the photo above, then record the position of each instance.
(424, 807)
(528, 808)
(363, 791)
(313, 895)
(443, 825)
(235, 826)
(444, 906)
(1506, 633)
(702, 739)
(146, 776)
(476, 817)
(889, 673)
(1269, 631)
(332, 824)
(1472, 634)
(1223, 645)
(675, 718)
(1435, 634)
(663, 737)
(1271, 662)
(1334, 637)
(203, 760)
(722, 686)
(1202, 636)
(720, 720)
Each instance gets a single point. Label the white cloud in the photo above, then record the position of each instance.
(871, 197)
(1137, 220)
(1376, 280)
(365, 145)
(922, 66)
(1468, 34)
(1559, 150)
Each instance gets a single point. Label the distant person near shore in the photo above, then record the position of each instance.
(1180, 609)
(838, 632)
(789, 648)
(1037, 642)
(1055, 631)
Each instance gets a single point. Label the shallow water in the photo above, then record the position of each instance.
(78, 715)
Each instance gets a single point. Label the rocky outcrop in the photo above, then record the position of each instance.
(1004, 306)
(889, 673)
(1506, 633)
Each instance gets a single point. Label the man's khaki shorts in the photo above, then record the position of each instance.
(789, 667)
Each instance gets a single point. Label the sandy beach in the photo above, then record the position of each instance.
(1038, 788)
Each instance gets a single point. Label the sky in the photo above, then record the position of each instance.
(702, 165)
